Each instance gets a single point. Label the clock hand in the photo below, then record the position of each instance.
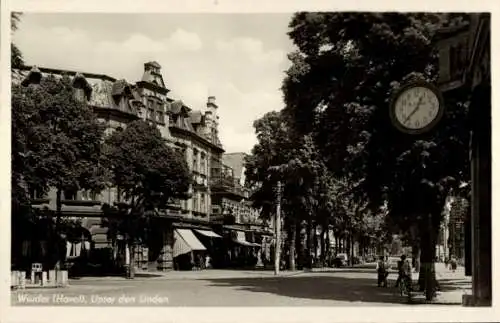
(414, 110)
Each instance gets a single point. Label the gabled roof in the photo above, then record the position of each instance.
(196, 117)
(34, 75)
(119, 87)
(79, 77)
(176, 107)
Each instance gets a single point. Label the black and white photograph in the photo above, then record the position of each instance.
(250, 159)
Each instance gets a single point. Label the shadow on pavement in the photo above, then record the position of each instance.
(327, 288)
(320, 288)
(349, 270)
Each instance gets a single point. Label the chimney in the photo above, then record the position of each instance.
(211, 119)
(152, 75)
(211, 102)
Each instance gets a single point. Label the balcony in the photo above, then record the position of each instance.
(227, 184)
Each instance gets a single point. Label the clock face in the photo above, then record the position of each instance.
(417, 107)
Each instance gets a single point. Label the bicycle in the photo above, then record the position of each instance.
(405, 288)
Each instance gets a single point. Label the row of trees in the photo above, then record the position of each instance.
(336, 116)
(312, 197)
(59, 143)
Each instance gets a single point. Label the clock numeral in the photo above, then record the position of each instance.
(425, 120)
(417, 123)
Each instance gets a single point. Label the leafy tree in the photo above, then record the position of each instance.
(338, 88)
(16, 56)
(308, 196)
(147, 173)
(263, 170)
(56, 142)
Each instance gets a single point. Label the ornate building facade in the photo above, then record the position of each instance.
(193, 132)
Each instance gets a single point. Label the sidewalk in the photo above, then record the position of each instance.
(189, 275)
(453, 286)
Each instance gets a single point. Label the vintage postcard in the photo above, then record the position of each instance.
(225, 161)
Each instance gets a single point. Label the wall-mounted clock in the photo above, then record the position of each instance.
(416, 107)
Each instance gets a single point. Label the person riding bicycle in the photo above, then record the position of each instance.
(404, 270)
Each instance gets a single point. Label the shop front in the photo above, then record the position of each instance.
(195, 247)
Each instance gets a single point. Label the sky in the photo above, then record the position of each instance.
(238, 58)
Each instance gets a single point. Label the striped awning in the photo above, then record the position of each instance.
(240, 239)
(208, 233)
(185, 241)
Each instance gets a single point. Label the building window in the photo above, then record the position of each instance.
(195, 160)
(69, 194)
(80, 95)
(195, 202)
(34, 194)
(203, 207)
(180, 122)
(161, 117)
(173, 120)
(151, 115)
(89, 196)
(202, 164)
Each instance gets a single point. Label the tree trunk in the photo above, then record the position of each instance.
(299, 250)
(322, 242)
(427, 276)
(57, 236)
(315, 241)
(352, 249)
(292, 243)
(309, 242)
(347, 247)
(131, 261)
(416, 257)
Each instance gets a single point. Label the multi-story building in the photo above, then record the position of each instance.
(239, 221)
(193, 132)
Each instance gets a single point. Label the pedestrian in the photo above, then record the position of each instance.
(453, 264)
(208, 261)
(382, 272)
(400, 272)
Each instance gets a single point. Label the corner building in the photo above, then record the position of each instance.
(193, 132)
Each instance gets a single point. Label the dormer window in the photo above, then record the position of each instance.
(173, 120)
(80, 95)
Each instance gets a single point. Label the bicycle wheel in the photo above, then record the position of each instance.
(402, 287)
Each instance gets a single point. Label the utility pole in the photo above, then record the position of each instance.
(278, 230)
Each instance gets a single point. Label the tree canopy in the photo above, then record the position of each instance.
(56, 139)
(147, 172)
(311, 194)
(339, 86)
(338, 89)
(15, 53)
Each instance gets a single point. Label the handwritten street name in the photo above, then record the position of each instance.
(62, 299)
